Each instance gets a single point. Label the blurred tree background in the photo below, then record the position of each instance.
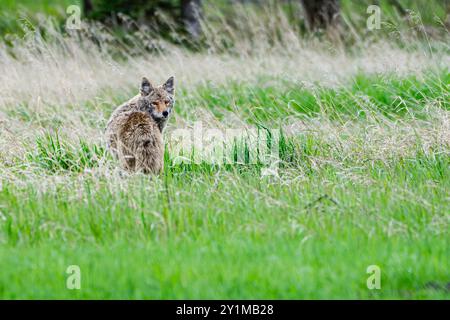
(159, 14)
(185, 17)
(318, 14)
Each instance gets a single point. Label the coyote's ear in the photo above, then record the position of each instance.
(146, 87)
(169, 86)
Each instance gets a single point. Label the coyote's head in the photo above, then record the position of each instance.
(158, 101)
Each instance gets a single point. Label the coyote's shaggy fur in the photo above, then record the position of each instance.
(134, 131)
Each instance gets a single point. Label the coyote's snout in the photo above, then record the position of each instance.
(134, 131)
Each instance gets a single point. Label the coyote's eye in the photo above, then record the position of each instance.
(167, 101)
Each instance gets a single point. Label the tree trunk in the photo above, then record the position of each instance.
(87, 6)
(321, 14)
(191, 13)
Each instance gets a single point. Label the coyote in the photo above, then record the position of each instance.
(134, 131)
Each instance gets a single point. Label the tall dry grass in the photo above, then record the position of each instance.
(71, 79)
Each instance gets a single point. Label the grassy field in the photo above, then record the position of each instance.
(18, 16)
(360, 177)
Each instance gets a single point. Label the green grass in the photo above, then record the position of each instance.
(205, 230)
(231, 235)
(366, 94)
(55, 155)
